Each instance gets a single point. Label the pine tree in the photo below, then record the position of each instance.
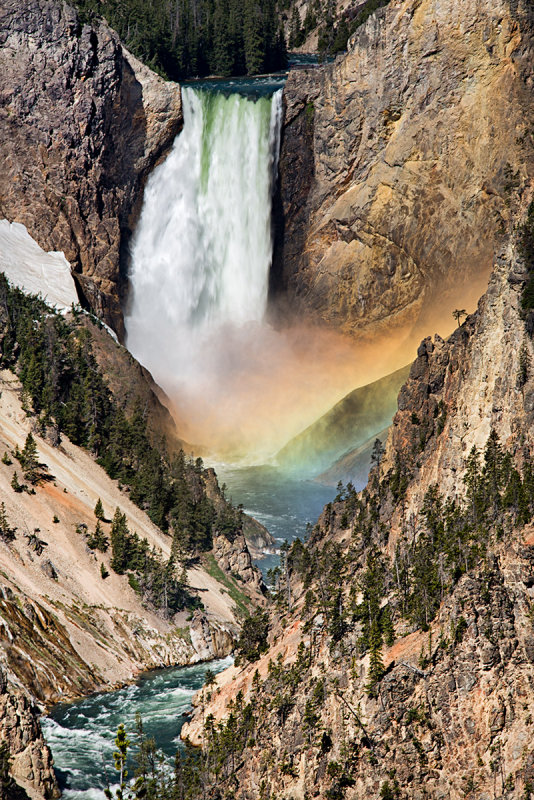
(6, 533)
(29, 461)
(120, 756)
(296, 32)
(15, 485)
(376, 665)
(98, 540)
(253, 37)
(524, 366)
(99, 510)
(493, 471)
(337, 626)
(119, 543)
(473, 483)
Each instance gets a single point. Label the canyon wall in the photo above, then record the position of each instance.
(451, 713)
(82, 123)
(398, 165)
(69, 624)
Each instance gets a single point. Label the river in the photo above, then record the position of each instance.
(81, 734)
(277, 499)
(196, 318)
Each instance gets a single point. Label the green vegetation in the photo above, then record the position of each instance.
(15, 485)
(458, 313)
(239, 598)
(99, 510)
(31, 469)
(252, 641)
(120, 755)
(526, 248)
(66, 392)
(453, 537)
(186, 38)
(7, 533)
(334, 32)
(149, 574)
(98, 540)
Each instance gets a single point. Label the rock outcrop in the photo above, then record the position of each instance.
(460, 389)
(82, 122)
(21, 731)
(69, 624)
(398, 165)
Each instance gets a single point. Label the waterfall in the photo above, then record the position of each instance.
(199, 278)
(201, 254)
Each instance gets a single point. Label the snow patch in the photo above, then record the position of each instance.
(30, 268)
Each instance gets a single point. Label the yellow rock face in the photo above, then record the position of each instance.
(416, 147)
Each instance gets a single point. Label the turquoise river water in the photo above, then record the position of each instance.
(81, 734)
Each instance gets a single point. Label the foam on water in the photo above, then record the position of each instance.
(81, 735)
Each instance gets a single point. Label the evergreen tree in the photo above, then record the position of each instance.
(6, 532)
(15, 485)
(99, 510)
(493, 471)
(98, 540)
(337, 625)
(376, 665)
(122, 743)
(253, 37)
(29, 460)
(296, 32)
(120, 545)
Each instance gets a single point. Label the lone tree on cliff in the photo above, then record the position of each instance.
(29, 460)
(99, 510)
(458, 313)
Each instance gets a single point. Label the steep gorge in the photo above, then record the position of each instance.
(82, 123)
(449, 710)
(403, 169)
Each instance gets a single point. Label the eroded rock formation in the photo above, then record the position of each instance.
(81, 124)
(398, 164)
(451, 712)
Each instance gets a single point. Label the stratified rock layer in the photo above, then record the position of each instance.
(81, 124)
(398, 165)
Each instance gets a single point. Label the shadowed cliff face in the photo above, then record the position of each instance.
(81, 124)
(397, 167)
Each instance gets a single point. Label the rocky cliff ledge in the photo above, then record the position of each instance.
(82, 122)
(398, 163)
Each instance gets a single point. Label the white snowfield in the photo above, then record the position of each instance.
(31, 269)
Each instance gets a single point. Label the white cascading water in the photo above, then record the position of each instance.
(199, 278)
(202, 251)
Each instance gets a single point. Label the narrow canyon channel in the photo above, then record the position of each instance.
(197, 317)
